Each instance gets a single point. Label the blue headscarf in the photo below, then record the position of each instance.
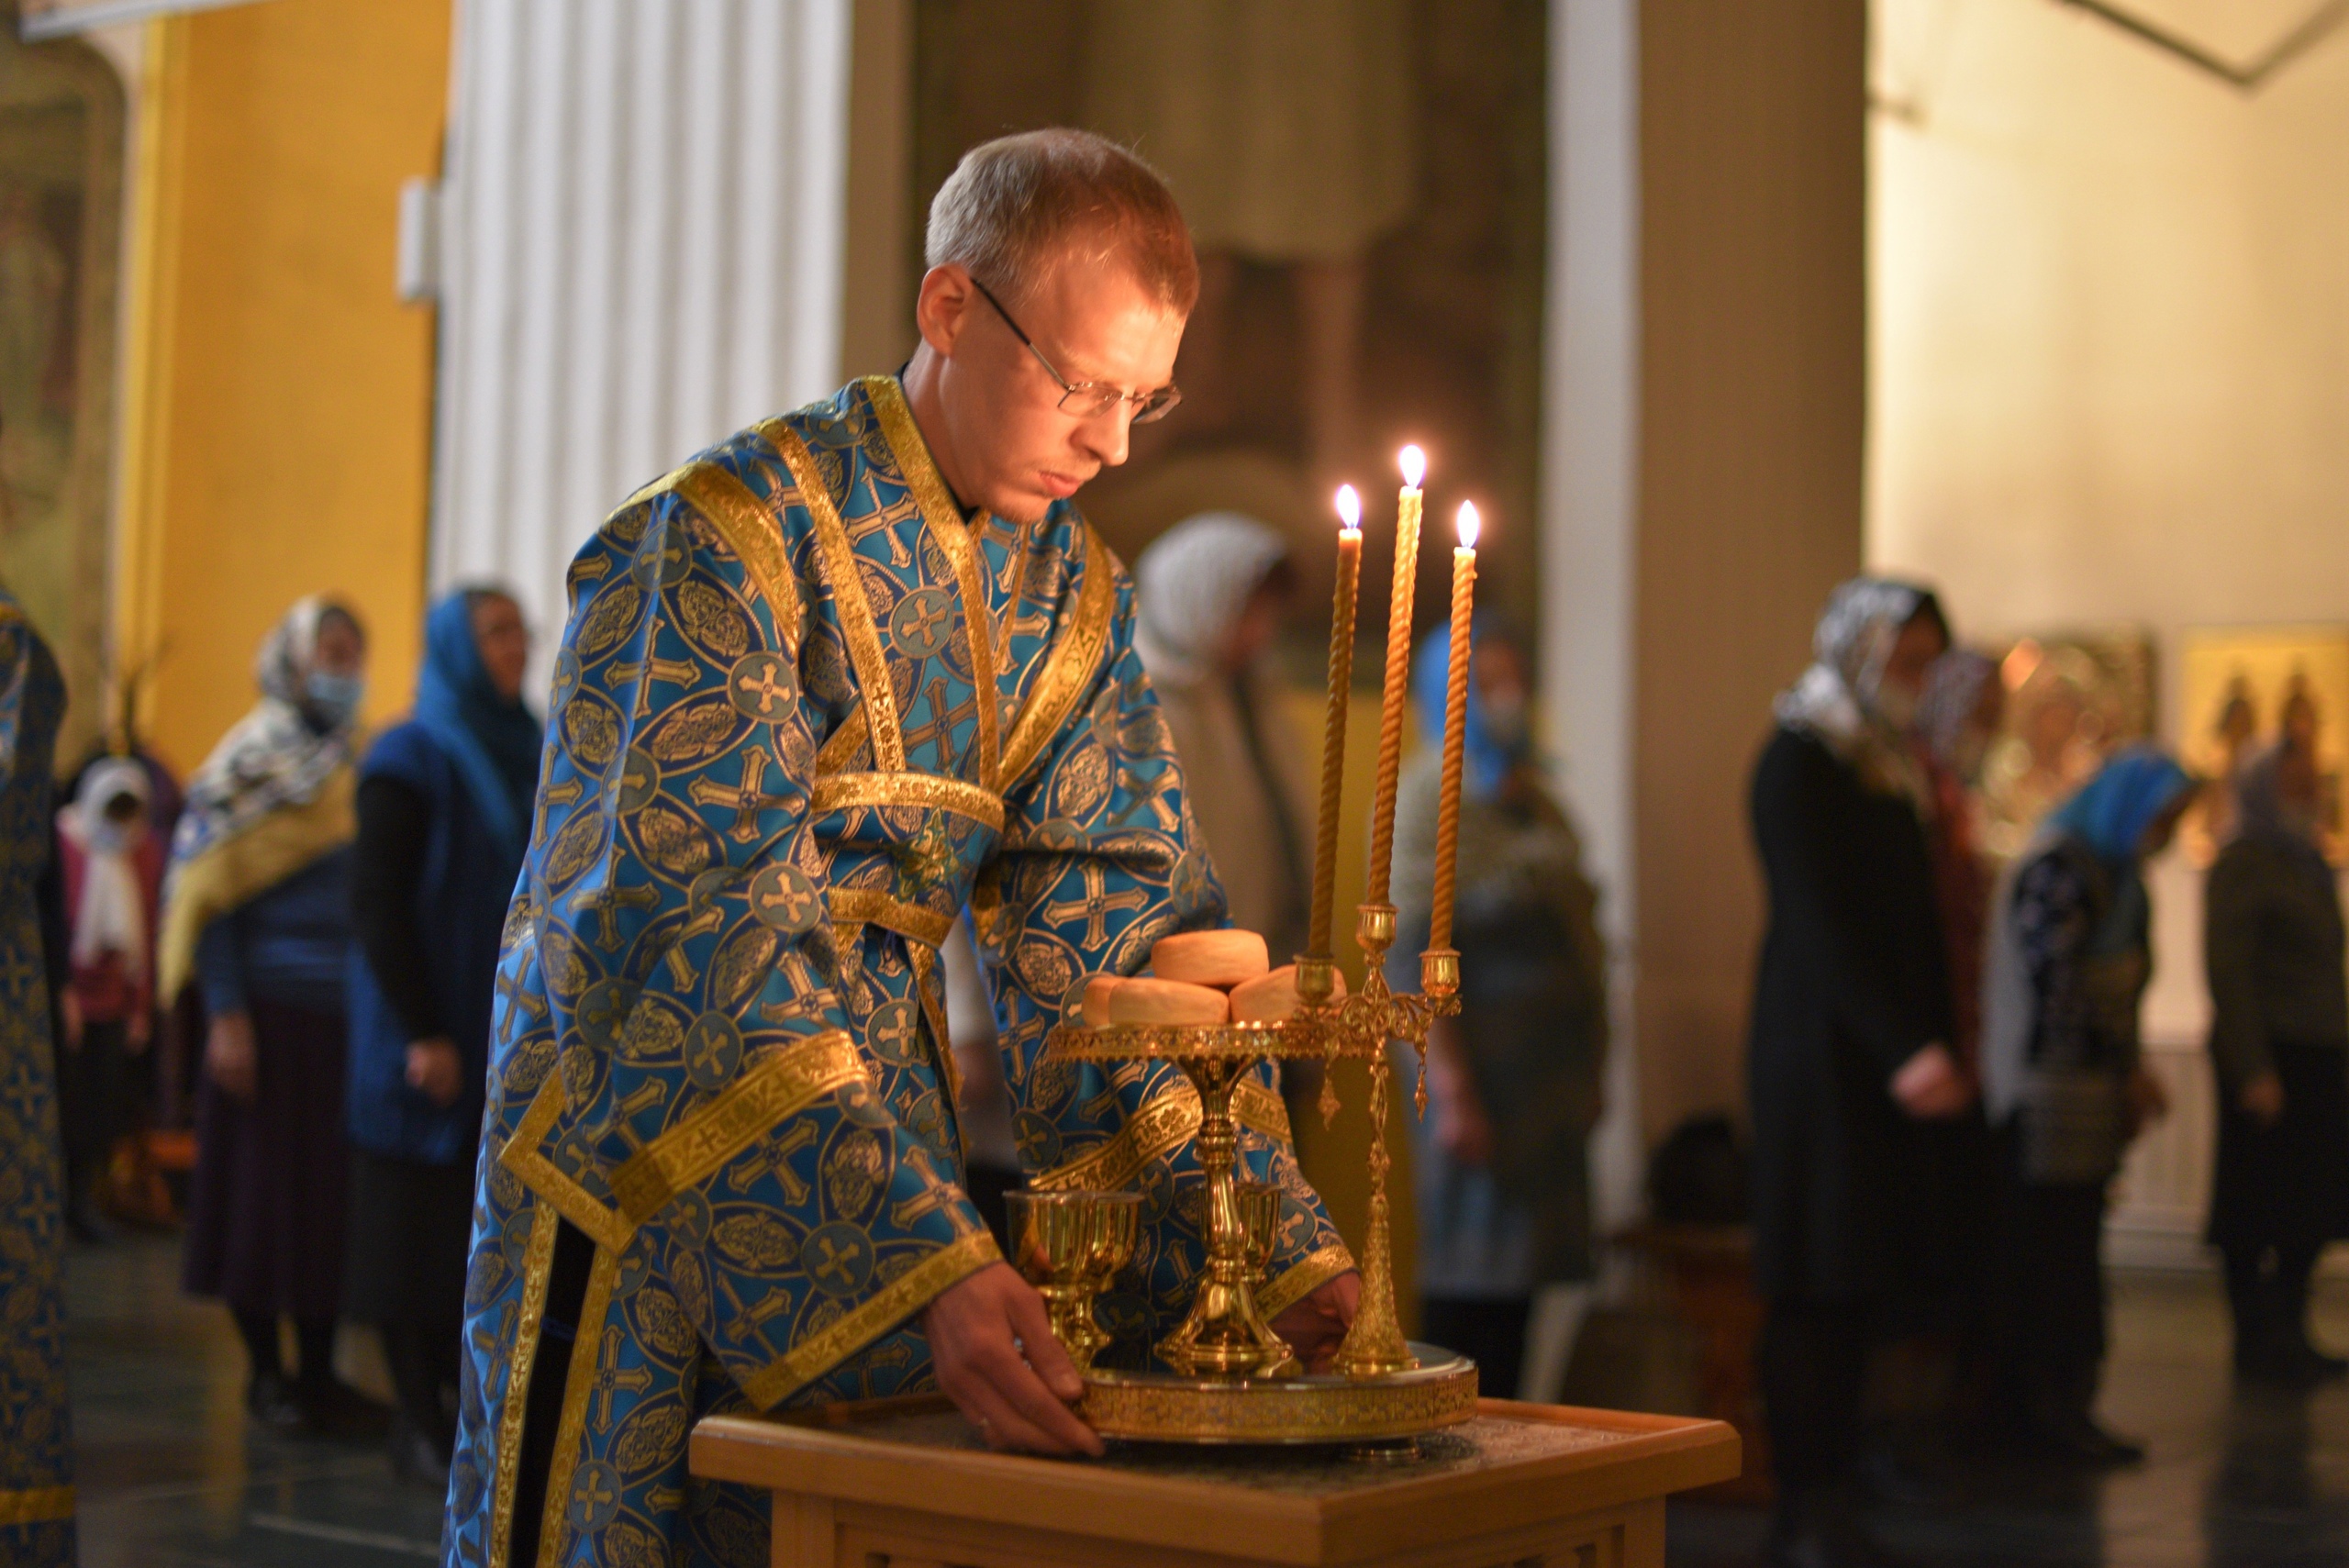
(2113, 810)
(1486, 758)
(493, 741)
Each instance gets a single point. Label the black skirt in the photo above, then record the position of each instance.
(265, 1216)
(410, 1226)
(2286, 1184)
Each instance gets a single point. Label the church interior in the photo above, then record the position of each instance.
(2040, 304)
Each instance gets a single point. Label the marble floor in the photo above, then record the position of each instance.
(2233, 1479)
(173, 1477)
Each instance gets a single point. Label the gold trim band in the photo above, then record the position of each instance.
(872, 907)
(751, 530)
(945, 519)
(782, 1085)
(1302, 1278)
(524, 1155)
(855, 611)
(883, 1310)
(932, 792)
(1075, 655)
(578, 1385)
(537, 1263)
(36, 1506)
(840, 748)
(1169, 1120)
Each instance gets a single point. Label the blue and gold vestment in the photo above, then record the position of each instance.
(804, 714)
(36, 1442)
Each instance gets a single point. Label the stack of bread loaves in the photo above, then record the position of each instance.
(1198, 977)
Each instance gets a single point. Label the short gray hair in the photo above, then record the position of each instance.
(1014, 202)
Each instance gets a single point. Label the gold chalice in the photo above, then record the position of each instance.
(1069, 1245)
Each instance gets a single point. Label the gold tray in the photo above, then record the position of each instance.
(1161, 1406)
(1301, 1036)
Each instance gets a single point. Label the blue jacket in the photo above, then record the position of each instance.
(468, 879)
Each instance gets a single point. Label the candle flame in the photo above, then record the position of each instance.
(1414, 464)
(1469, 524)
(1349, 507)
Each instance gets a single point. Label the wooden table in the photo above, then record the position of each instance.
(905, 1484)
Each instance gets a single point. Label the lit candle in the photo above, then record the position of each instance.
(1455, 730)
(1414, 464)
(1333, 728)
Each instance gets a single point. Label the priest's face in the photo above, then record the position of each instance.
(989, 405)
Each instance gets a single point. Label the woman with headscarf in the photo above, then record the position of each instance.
(257, 913)
(2279, 1041)
(1850, 1040)
(444, 814)
(1514, 1080)
(1208, 596)
(1957, 719)
(2071, 954)
(113, 867)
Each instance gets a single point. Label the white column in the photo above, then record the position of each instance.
(642, 218)
(1590, 505)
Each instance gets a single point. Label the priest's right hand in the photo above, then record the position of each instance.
(997, 1360)
(229, 1055)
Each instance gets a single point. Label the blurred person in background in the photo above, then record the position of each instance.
(2070, 956)
(257, 912)
(1851, 1042)
(2279, 1041)
(113, 882)
(1501, 1169)
(1957, 722)
(37, 1529)
(444, 818)
(1209, 593)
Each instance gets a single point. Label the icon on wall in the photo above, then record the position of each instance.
(2072, 698)
(2244, 687)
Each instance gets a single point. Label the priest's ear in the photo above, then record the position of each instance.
(943, 309)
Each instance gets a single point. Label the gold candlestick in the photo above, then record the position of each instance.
(1455, 730)
(1333, 727)
(1413, 464)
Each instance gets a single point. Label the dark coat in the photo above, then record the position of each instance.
(1853, 981)
(454, 898)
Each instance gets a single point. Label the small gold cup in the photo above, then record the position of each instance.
(1260, 1223)
(1069, 1246)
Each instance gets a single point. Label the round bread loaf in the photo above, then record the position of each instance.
(1223, 958)
(1141, 1001)
(1271, 999)
(1096, 1007)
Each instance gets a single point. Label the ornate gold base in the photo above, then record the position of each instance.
(1158, 1406)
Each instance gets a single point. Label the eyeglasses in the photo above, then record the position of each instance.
(1090, 399)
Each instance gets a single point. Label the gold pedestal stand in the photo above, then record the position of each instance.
(1233, 1380)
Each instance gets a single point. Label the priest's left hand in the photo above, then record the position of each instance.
(1314, 1327)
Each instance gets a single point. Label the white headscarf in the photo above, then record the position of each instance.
(1192, 585)
(113, 915)
(1839, 700)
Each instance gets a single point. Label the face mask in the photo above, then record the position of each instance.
(334, 697)
(1505, 720)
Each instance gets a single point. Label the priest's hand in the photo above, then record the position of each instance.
(997, 1360)
(1314, 1327)
(1930, 1087)
(229, 1055)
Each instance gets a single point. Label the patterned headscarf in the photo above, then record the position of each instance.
(1193, 584)
(1835, 699)
(279, 754)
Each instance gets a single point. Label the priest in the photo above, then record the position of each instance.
(824, 686)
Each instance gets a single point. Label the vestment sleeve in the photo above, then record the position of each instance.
(1100, 858)
(674, 964)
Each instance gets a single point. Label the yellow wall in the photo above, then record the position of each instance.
(280, 395)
